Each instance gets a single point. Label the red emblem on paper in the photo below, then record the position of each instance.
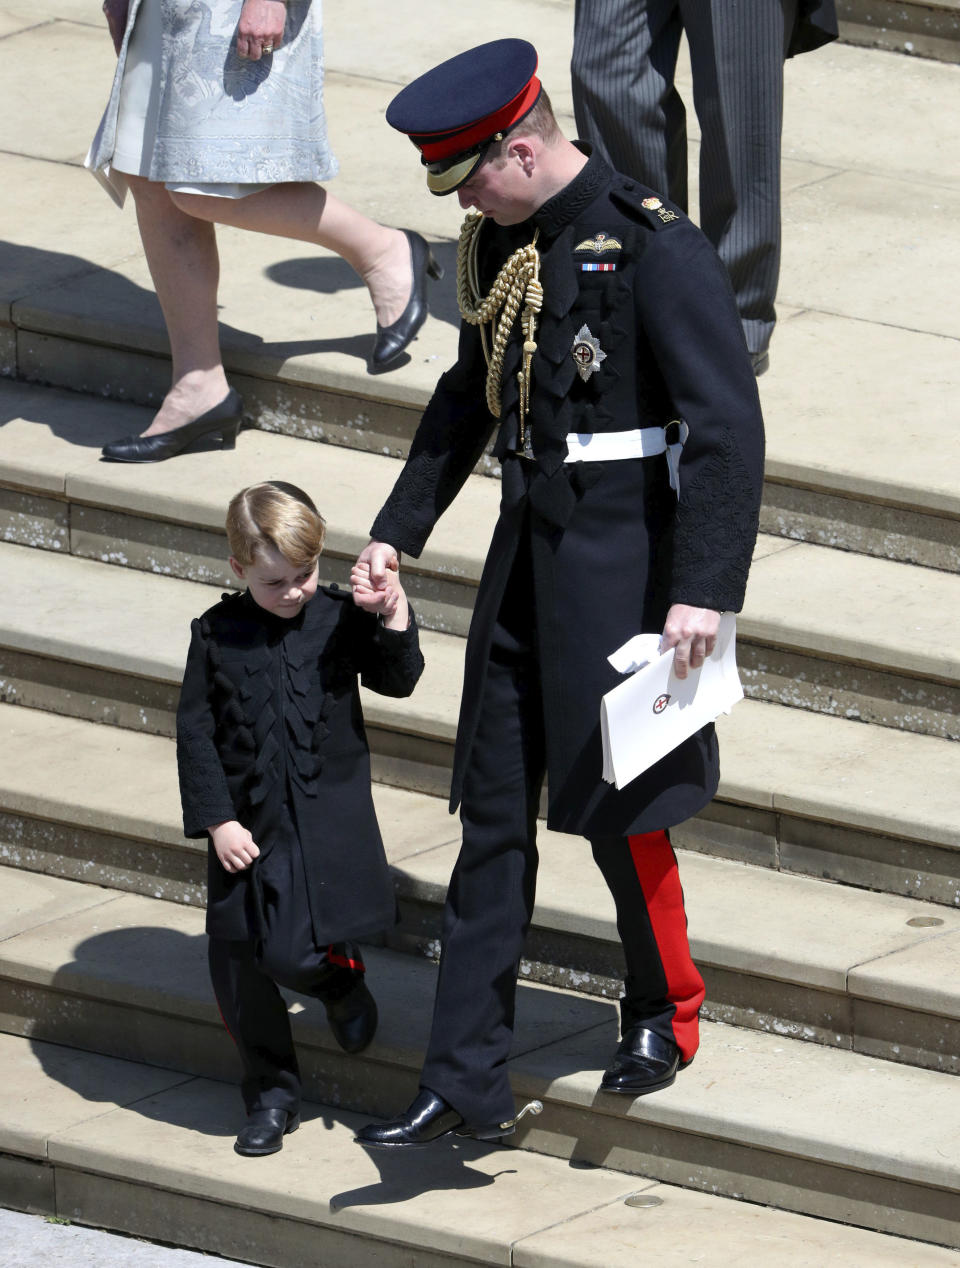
(660, 703)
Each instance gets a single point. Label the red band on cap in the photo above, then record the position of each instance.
(482, 130)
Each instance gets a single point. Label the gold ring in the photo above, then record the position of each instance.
(268, 48)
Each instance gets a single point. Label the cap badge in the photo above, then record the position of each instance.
(598, 244)
(587, 353)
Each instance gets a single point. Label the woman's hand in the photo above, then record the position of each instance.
(260, 29)
(234, 846)
(116, 14)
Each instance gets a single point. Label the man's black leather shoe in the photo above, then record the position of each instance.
(644, 1062)
(427, 1119)
(353, 1018)
(265, 1131)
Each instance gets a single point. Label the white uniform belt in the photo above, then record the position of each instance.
(641, 442)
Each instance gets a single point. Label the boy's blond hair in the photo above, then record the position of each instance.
(276, 514)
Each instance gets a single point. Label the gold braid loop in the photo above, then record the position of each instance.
(517, 282)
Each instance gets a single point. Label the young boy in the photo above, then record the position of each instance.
(275, 771)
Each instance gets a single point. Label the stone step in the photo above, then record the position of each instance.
(116, 1144)
(871, 805)
(823, 1132)
(880, 984)
(881, 659)
(850, 456)
(930, 29)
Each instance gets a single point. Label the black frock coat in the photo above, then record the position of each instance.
(270, 713)
(612, 547)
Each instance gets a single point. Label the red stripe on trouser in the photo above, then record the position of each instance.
(656, 868)
(344, 961)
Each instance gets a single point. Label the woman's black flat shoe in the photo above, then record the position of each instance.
(392, 339)
(224, 418)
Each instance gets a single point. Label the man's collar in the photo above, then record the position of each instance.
(564, 207)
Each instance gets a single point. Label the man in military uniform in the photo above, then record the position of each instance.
(600, 330)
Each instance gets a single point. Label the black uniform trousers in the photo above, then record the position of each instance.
(490, 900)
(246, 975)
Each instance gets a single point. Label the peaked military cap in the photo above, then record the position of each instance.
(454, 112)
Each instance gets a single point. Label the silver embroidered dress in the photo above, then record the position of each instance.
(215, 118)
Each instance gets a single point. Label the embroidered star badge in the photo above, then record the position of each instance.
(587, 353)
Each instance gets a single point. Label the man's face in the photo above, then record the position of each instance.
(501, 189)
(275, 584)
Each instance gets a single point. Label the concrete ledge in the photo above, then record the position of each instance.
(322, 1198)
(814, 1129)
(924, 30)
(775, 973)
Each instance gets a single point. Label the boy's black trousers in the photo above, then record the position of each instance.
(246, 976)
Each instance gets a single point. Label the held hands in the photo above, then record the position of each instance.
(260, 29)
(376, 585)
(693, 632)
(234, 846)
(115, 12)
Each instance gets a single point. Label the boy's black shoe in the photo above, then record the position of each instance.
(353, 1018)
(265, 1131)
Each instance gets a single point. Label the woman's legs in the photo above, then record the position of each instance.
(182, 254)
(308, 213)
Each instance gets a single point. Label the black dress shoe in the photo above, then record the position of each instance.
(353, 1018)
(427, 1119)
(392, 339)
(644, 1062)
(265, 1131)
(224, 418)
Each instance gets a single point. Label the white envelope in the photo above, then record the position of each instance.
(653, 711)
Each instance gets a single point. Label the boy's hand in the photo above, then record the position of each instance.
(389, 601)
(234, 846)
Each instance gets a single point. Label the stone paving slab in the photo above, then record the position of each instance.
(831, 1109)
(824, 90)
(70, 54)
(447, 1189)
(149, 960)
(790, 760)
(845, 435)
(866, 776)
(51, 439)
(893, 619)
(788, 914)
(852, 1113)
(871, 611)
(783, 941)
(49, 1089)
(32, 902)
(843, 253)
(35, 1241)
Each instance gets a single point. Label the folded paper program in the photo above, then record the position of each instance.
(653, 711)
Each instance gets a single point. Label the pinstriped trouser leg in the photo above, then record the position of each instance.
(623, 64)
(736, 54)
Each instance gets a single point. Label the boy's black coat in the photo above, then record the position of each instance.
(270, 710)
